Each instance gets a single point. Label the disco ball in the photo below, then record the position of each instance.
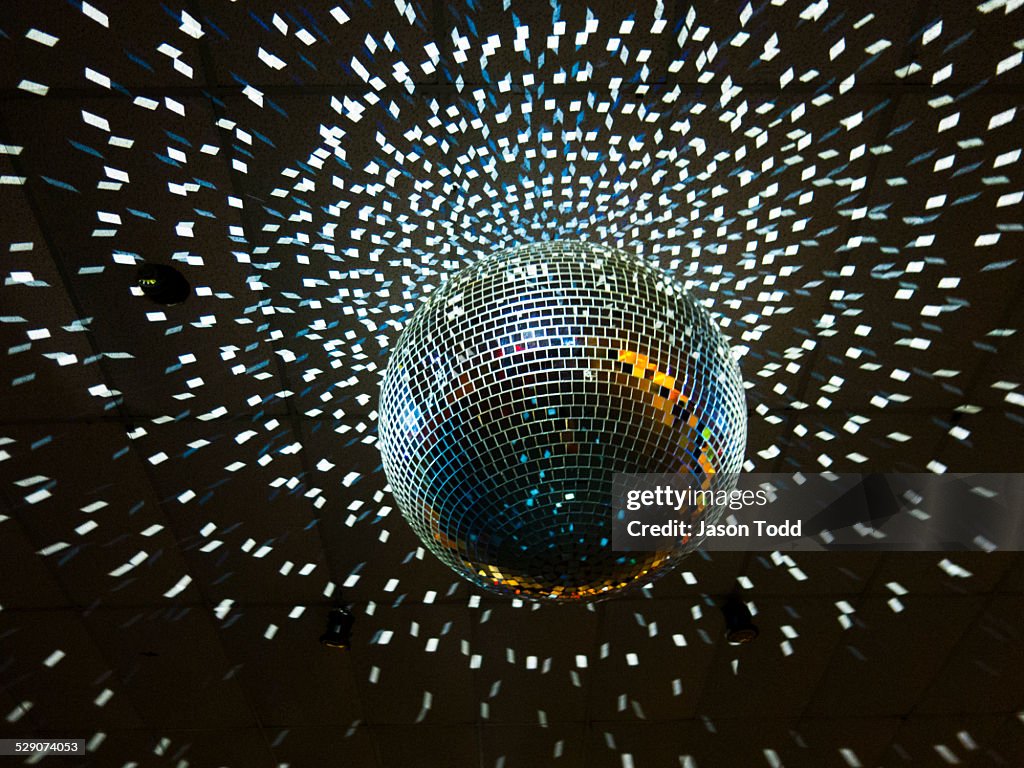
(518, 390)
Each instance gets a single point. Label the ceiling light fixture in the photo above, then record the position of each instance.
(163, 284)
(339, 629)
(739, 624)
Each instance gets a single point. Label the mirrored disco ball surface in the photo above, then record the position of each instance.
(518, 390)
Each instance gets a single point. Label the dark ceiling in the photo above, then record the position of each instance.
(187, 489)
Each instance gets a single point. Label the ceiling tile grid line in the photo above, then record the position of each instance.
(595, 649)
(97, 645)
(281, 373)
(885, 125)
(981, 610)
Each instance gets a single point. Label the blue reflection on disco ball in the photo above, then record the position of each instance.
(523, 385)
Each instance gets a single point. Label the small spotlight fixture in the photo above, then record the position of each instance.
(339, 629)
(739, 624)
(163, 284)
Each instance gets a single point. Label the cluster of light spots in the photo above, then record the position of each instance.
(841, 188)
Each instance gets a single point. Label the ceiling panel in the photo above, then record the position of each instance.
(427, 648)
(107, 542)
(522, 746)
(942, 573)
(53, 368)
(942, 740)
(142, 48)
(524, 678)
(989, 650)
(970, 40)
(1006, 747)
(885, 440)
(237, 499)
(892, 674)
(653, 660)
(21, 563)
(290, 45)
(314, 746)
(806, 574)
(240, 746)
(53, 661)
(433, 746)
(169, 686)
